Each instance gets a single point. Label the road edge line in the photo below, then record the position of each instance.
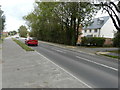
(65, 70)
(103, 65)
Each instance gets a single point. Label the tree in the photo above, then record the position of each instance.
(2, 21)
(22, 31)
(109, 8)
(73, 15)
(12, 33)
(59, 21)
(116, 40)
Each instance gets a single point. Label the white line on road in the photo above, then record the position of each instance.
(65, 47)
(65, 71)
(58, 50)
(97, 63)
(86, 53)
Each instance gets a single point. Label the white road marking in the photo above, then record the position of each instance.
(86, 53)
(58, 50)
(91, 54)
(65, 47)
(65, 71)
(97, 63)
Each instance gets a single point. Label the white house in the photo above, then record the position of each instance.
(119, 15)
(101, 27)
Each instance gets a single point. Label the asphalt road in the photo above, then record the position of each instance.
(23, 69)
(96, 71)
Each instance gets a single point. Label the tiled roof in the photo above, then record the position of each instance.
(97, 23)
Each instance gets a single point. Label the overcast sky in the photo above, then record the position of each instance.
(14, 10)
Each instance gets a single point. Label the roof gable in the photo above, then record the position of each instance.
(97, 23)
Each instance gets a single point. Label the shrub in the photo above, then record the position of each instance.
(92, 41)
(116, 40)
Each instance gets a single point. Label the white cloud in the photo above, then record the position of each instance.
(14, 10)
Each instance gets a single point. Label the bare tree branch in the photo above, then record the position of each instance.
(118, 10)
(117, 18)
(106, 7)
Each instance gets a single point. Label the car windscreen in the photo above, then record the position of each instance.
(33, 38)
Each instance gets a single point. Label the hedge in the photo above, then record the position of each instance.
(116, 40)
(92, 41)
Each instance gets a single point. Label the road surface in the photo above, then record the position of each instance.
(95, 71)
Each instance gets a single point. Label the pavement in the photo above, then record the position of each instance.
(22, 69)
(0, 66)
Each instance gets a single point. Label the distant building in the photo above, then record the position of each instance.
(101, 27)
(5, 33)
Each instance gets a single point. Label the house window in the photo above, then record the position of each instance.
(85, 31)
(90, 30)
(95, 35)
(89, 35)
(95, 30)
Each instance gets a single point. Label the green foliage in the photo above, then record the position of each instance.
(116, 40)
(117, 57)
(25, 47)
(12, 33)
(116, 51)
(92, 41)
(1, 41)
(3, 22)
(59, 21)
(23, 31)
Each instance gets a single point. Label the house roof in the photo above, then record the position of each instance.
(4, 32)
(97, 23)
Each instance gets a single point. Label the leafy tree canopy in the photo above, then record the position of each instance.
(59, 21)
(23, 31)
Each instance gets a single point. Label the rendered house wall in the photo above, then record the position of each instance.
(108, 29)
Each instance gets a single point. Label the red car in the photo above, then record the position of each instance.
(31, 41)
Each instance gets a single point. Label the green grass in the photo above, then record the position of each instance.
(24, 46)
(98, 47)
(117, 57)
(1, 41)
(115, 51)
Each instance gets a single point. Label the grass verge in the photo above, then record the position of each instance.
(1, 41)
(24, 46)
(115, 51)
(117, 57)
